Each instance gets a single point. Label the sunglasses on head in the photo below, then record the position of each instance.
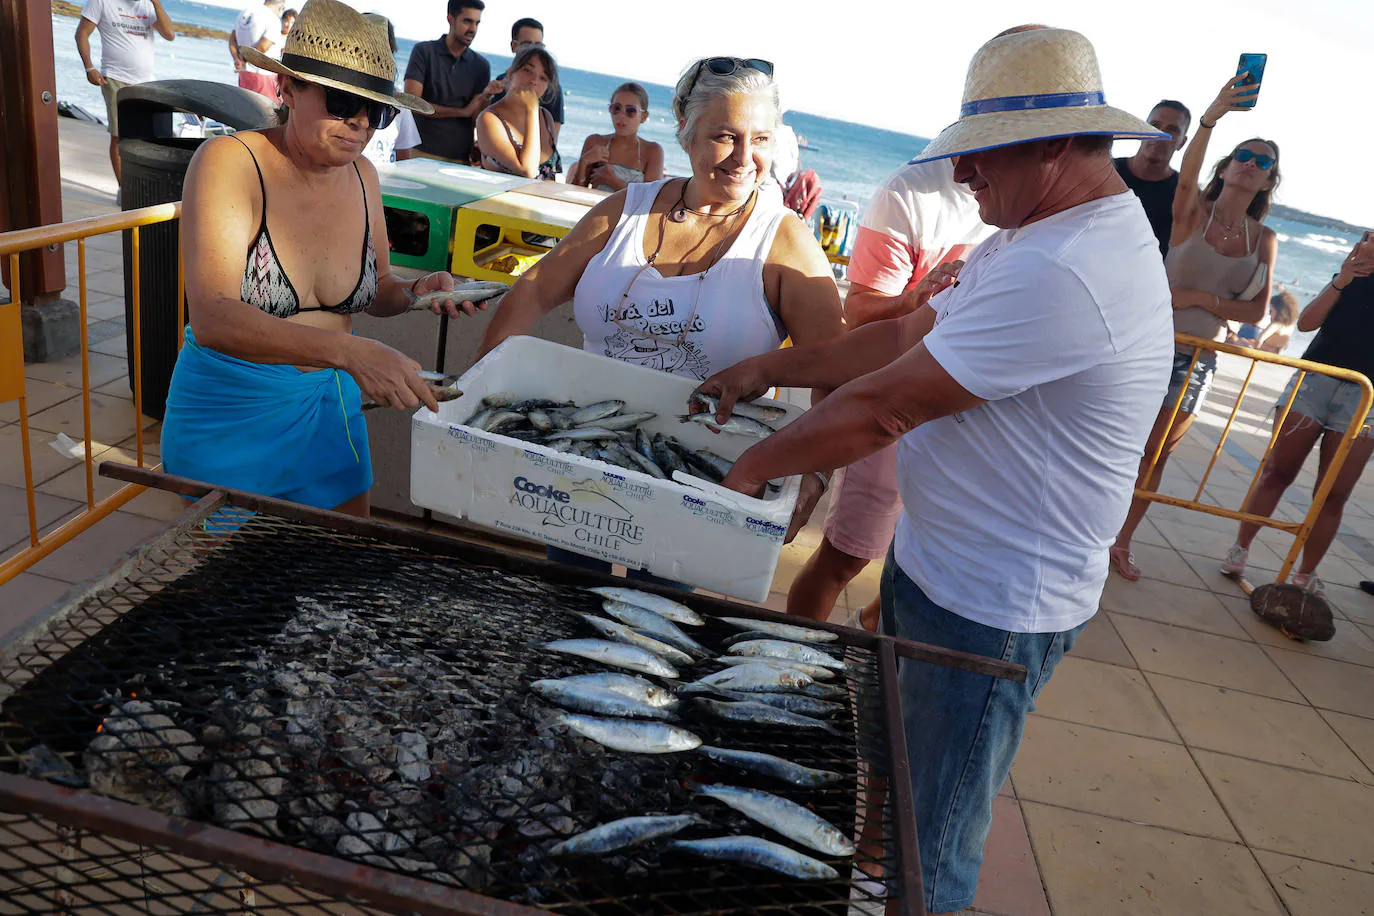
(630, 110)
(1262, 161)
(724, 66)
(344, 105)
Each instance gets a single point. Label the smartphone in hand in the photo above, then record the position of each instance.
(1252, 65)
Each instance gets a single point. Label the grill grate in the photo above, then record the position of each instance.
(366, 700)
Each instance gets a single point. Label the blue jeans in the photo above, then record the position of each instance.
(962, 730)
(581, 561)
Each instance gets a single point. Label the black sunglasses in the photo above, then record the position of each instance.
(344, 105)
(724, 66)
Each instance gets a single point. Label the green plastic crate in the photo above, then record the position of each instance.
(420, 198)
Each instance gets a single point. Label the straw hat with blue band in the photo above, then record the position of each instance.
(1039, 84)
(332, 44)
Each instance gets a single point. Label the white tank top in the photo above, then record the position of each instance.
(732, 319)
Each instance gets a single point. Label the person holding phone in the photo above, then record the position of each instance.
(612, 162)
(1220, 266)
(1322, 410)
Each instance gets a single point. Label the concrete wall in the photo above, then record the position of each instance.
(417, 335)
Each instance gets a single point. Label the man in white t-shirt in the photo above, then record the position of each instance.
(126, 51)
(1020, 400)
(396, 141)
(257, 27)
(919, 219)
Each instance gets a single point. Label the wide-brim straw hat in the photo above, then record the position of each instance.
(334, 45)
(1038, 84)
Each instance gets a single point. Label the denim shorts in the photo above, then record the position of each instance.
(1199, 383)
(1330, 401)
(962, 730)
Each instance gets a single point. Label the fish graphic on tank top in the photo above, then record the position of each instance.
(649, 336)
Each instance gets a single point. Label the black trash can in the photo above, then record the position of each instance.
(154, 161)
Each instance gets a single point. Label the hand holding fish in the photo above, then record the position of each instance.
(441, 294)
(744, 381)
(386, 375)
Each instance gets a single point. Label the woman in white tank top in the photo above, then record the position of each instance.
(690, 276)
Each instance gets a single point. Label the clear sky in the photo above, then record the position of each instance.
(900, 64)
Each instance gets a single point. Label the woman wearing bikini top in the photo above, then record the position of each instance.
(611, 162)
(515, 135)
(1220, 266)
(284, 241)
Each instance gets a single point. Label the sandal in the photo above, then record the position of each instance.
(1310, 583)
(1123, 561)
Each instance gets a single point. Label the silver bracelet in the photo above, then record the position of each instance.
(825, 481)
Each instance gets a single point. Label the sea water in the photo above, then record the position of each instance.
(852, 160)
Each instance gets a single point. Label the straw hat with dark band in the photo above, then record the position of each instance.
(1034, 85)
(333, 45)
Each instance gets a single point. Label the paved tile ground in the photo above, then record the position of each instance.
(1185, 759)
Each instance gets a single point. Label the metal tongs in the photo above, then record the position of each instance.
(445, 387)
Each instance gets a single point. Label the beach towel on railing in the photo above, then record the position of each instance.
(267, 429)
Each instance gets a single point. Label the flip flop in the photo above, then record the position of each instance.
(1123, 561)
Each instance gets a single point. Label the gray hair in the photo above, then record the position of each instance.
(706, 85)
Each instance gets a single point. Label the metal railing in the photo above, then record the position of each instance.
(1300, 530)
(12, 383)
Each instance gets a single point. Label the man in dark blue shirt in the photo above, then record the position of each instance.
(453, 78)
(1149, 174)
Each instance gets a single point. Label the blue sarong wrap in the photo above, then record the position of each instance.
(267, 429)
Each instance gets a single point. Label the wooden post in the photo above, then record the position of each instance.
(30, 183)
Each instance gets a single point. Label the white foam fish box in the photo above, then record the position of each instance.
(700, 534)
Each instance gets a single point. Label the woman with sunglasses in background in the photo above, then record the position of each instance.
(611, 162)
(691, 275)
(1322, 410)
(1220, 266)
(515, 135)
(284, 241)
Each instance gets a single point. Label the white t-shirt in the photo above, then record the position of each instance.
(126, 37)
(1065, 327)
(399, 134)
(278, 42)
(252, 26)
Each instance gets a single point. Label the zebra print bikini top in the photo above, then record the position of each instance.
(266, 285)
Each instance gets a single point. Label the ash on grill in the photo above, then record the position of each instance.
(385, 717)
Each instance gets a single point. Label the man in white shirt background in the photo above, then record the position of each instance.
(126, 30)
(398, 139)
(257, 27)
(1020, 397)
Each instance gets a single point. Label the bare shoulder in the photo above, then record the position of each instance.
(794, 238)
(223, 169)
(224, 151)
(605, 216)
(368, 170)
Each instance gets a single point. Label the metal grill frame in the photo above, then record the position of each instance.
(338, 877)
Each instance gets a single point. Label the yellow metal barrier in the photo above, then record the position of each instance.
(1300, 530)
(12, 385)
